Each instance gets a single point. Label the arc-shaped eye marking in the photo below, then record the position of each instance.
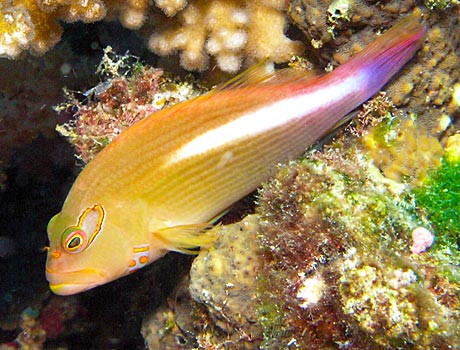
(77, 238)
(91, 221)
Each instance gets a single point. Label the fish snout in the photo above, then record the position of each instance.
(73, 282)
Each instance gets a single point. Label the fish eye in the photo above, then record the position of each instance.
(74, 239)
(75, 242)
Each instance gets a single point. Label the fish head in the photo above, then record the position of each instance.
(85, 252)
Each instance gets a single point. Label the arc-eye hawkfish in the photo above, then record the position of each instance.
(158, 186)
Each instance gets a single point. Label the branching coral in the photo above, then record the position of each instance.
(171, 7)
(232, 31)
(131, 13)
(33, 24)
(16, 30)
(228, 30)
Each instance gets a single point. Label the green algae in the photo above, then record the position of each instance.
(440, 4)
(439, 197)
(270, 315)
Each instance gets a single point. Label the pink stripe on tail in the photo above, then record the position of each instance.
(385, 56)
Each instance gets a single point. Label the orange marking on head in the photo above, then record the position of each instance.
(143, 259)
(132, 263)
(56, 254)
(141, 249)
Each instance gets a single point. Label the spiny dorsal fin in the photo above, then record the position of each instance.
(264, 73)
(256, 74)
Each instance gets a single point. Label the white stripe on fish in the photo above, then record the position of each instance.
(269, 117)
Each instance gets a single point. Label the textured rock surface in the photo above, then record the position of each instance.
(337, 30)
(220, 307)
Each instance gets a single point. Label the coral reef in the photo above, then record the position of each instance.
(220, 307)
(232, 31)
(327, 262)
(33, 24)
(130, 92)
(334, 205)
(353, 249)
(331, 221)
(403, 149)
(388, 302)
(428, 81)
(40, 323)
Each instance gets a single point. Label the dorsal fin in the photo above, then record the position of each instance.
(256, 74)
(264, 73)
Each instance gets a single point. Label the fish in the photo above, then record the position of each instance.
(161, 184)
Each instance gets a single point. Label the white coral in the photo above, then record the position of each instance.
(17, 33)
(232, 31)
(171, 7)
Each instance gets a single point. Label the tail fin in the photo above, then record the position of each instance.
(388, 54)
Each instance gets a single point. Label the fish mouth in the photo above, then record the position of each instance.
(73, 282)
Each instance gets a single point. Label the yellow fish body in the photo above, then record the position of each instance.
(162, 181)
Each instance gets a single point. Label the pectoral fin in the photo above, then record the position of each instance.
(185, 238)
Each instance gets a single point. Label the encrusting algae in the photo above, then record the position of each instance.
(403, 149)
(333, 266)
